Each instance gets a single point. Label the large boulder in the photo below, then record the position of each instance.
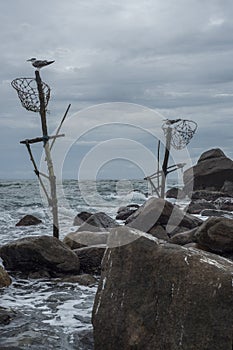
(5, 279)
(98, 222)
(159, 296)
(211, 171)
(157, 211)
(39, 253)
(76, 240)
(216, 234)
(29, 220)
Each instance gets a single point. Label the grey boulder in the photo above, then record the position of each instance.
(157, 211)
(159, 296)
(211, 171)
(39, 253)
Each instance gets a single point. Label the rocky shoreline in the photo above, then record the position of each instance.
(165, 273)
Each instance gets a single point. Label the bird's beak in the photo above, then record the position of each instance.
(28, 60)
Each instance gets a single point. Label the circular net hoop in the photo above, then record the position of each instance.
(28, 93)
(182, 131)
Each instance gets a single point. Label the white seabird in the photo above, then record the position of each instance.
(38, 64)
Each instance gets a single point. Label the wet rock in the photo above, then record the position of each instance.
(195, 207)
(5, 279)
(98, 222)
(157, 211)
(211, 171)
(206, 195)
(81, 218)
(175, 192)
(124, 212)
(29, 220)
(39, 253)
(76, 240)
(84, 279)
(162, 296)
(184, 237)
(216, 234)
(6, 316)
(224, 203)
(91, 258)
(218, 213)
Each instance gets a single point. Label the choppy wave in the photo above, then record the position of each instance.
(48, 314)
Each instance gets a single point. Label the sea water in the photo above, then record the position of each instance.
(51, 314)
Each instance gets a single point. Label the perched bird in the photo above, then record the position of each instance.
(170, 122)
(38, 64)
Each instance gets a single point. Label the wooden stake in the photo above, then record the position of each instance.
(158, 160)
(52, 178)
(59, 128)
(37, 171)
(165, 161)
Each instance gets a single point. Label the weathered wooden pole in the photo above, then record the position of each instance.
(158, 160)
(52, 177)
(165, 161)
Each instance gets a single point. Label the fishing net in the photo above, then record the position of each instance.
(28, 93)
(182, 131)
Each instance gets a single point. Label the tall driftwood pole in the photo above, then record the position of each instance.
(165, 161)
(52, 177)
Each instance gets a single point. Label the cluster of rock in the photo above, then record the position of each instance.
(80, 252)
(166, 282)
(90, 240)
(170, 293)
(166, 275)
(209, 185)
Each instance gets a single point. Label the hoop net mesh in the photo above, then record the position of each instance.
(28, 93)
(182, 132)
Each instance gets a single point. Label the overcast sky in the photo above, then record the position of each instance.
(175, 57)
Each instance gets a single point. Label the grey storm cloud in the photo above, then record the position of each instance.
(173, 56)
